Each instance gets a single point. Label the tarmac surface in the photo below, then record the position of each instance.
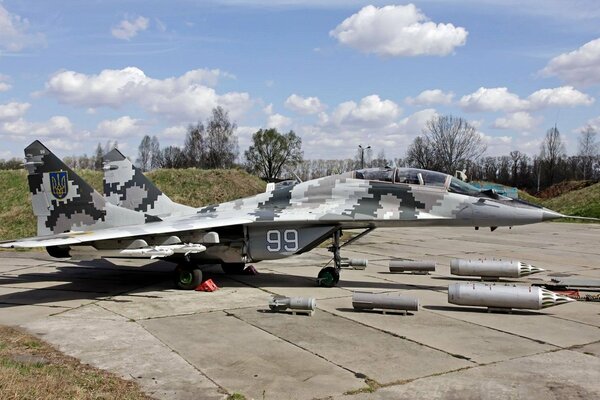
(197, 345)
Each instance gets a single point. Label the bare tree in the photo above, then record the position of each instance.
(173, 157)
(144, 153)
(588, 150)
(552, 151)
(155, 153)
(98, 155)
(271, 151)
(220, 141)
(454, 142)
(420, 154)
(515, 156)
(194, 145)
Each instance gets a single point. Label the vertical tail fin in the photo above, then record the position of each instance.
(126, 186)
(62, 201)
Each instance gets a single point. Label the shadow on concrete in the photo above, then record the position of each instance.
(482, 310)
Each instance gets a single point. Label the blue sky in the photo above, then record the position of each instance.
(339, 73)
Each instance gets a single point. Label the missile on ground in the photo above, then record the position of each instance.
(504, 296)
(419, 267)
(370, 301)
(282, 303)
(355, 263)
(492, 268)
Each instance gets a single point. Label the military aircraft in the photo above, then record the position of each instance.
(135, 219)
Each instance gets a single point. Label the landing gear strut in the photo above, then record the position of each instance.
(187, 276)
(330, 276)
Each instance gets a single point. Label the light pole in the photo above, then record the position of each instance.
(362, 155)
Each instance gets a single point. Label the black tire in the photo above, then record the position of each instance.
(328, 277)
(187, 277)
(233, 268)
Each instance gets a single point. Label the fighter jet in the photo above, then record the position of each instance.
(135, 219)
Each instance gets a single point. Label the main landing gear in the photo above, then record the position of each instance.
(187, 276)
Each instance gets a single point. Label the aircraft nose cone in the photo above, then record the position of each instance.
(548, 215)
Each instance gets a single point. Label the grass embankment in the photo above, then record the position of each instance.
(582, 202)
(572, 198)
(192, 186)
(31, 369)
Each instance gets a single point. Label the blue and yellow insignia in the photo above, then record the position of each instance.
(59, 184)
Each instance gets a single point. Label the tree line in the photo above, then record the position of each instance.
(446, 143)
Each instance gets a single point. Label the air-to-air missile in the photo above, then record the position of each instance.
(371, 301)
(416, 267)
(165, 251)
(496, 296)
(296, 304)
(492, 268)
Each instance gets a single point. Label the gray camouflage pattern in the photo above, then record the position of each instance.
(135, 218)
(126, 186)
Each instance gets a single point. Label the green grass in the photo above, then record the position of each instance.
(583, 202)
(192, 187)
(41, 372)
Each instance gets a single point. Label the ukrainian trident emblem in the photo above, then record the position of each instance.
(59, 185)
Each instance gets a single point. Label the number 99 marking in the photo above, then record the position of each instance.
(289, 243)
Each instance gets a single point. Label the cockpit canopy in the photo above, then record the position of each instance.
(415, 176)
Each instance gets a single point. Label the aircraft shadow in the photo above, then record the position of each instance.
(100, 279)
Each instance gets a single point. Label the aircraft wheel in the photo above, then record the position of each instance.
(187, 277)
(328, 277)
(233, 268)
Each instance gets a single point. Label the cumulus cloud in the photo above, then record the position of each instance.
(189, 97)
(492, 99)
(500, 99)
(278, 121)
(121, 127)
(130, 28)
(14, 35)
(564, 96)
(518, 121)
(20, 128)
(431, 97)
(304, 105)
(370, 111)
(579, 67)
(13, 110)
(398, 30)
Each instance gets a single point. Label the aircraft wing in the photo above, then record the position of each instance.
(189, 223)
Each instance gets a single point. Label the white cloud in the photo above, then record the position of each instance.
(304, 105)
(61, 144)
(559, 97)
(4, 85)
(118, 128)
(278, 121)
(370, 112)
(593, 122)
(500, 99)
(174, 132)
(13, 110)
(20, 128)
(414, 123)
(579, 67)
(518, 121)
(189, 97)
(14, 35)
(398, 31)
(431, 97)
(492, 99)
(130, 28)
